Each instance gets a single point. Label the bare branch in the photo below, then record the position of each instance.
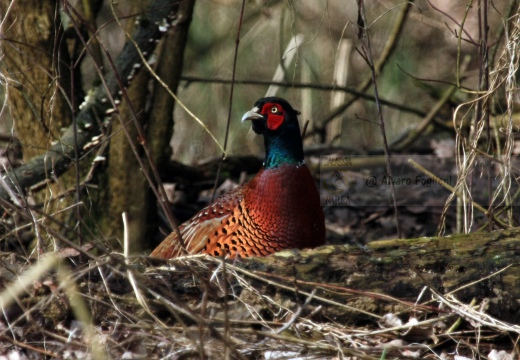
(60, 156)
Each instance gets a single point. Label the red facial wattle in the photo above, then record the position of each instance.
(275, 115)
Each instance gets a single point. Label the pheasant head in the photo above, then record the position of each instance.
(277, 121)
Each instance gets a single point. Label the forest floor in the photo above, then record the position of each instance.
(75, 305)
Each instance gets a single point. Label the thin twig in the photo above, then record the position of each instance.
(454, 191)
(158, 189)
(226, 136)
(388, 50)
(370, 62)
(299, 85)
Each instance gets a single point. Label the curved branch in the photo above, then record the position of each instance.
(97, 105)
(299, 85)
(388, 50)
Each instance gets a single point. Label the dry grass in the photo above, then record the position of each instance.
(201, 307)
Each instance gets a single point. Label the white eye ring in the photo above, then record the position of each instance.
(274, 110)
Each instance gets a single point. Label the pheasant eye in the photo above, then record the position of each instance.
(274, 109)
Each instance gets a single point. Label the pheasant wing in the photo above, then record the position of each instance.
(195, 232)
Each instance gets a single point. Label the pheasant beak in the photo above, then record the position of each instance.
(252, 115)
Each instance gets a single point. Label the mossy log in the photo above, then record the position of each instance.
(386, 276)
(347, 285)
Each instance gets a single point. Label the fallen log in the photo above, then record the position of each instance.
(320, 301)
(388, 275)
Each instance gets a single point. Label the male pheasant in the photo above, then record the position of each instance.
(278, 209)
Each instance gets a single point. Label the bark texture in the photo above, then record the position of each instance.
(37, 62)
(36, 58)
(385, 276)
(128, 189)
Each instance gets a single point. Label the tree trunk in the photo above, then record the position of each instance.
(128, 189)
(36, 55)
(36, 58)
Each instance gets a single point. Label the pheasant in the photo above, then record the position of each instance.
(278, 209)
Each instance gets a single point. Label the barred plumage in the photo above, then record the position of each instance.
(278, 209)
